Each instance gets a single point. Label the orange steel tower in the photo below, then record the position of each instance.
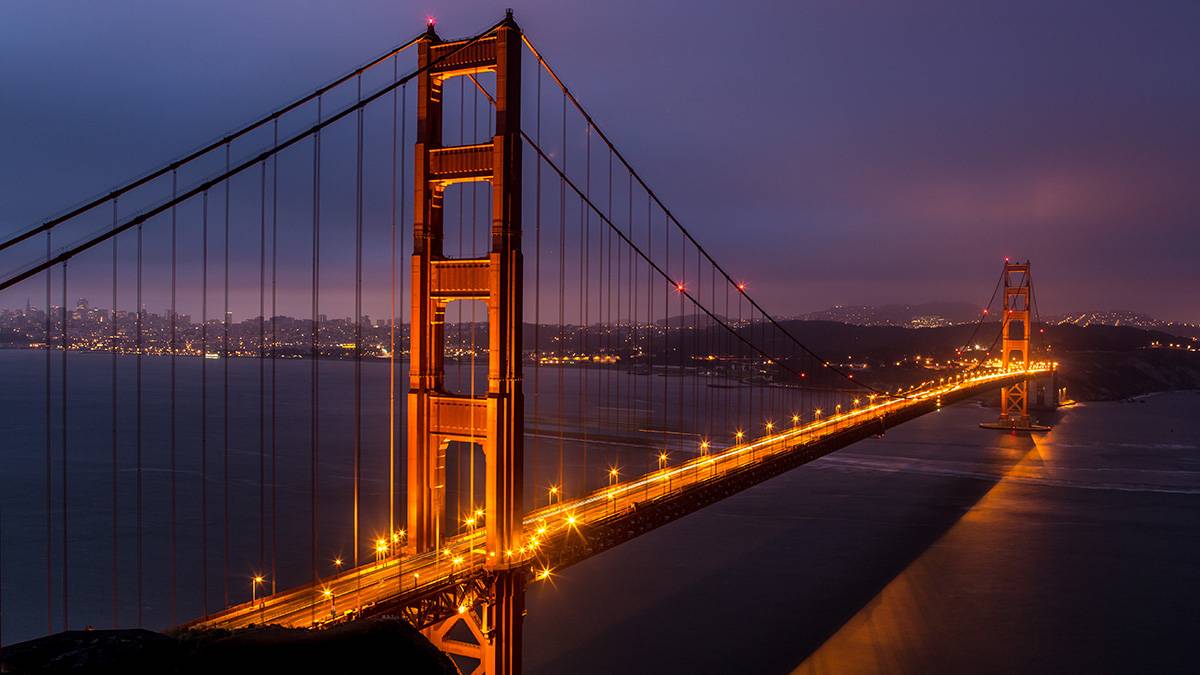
(436, 417)
(1015, 329)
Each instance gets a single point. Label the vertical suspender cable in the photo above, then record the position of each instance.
(66, 586)
(585, 263)
(116, 622)
(174, 547)
(562, 280)
(392, 327)
(631, 304)
(474, 219)
(274, 354)
(649, 326)
(314, 427)
(458, 326)
(403, 191)
(204, 405)
(666, 400)
(358, 244)
(608, 295)
(49, 451)
(138, 426)
(262, 353)
(225, 397)
(537, 256)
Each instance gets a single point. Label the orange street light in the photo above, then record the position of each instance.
(327, 593)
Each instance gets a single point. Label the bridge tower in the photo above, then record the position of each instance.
(436, 417)
(1015, 331)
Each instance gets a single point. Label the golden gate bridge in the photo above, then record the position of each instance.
(581, 370)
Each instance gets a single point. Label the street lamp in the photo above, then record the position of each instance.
(553, 492)
(381, 549)
(400, 539)
(662, 466)
(327, 593)
(254, 582)
(613, 475)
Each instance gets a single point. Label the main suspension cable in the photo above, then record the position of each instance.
(204, 150)
(672, 219)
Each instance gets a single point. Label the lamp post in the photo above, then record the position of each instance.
(614, 475)
(400, 539)
(552, 494)
(470, 522)
(254, 582)
(662, 466)
(327, 593)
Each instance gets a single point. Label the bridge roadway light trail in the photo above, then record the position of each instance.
(292, 607)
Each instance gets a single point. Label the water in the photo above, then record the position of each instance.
(626, 409)
(939, 548)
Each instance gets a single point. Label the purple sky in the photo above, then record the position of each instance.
(872, 152)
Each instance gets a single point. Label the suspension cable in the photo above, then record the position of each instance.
(653, 265)
(672, 219)
(52, 259)
(196, 154)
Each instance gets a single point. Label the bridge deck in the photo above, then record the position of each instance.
(430, 586)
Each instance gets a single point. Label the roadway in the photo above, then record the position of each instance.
(394, 576)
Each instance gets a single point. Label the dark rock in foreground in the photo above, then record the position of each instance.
(357, 646)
